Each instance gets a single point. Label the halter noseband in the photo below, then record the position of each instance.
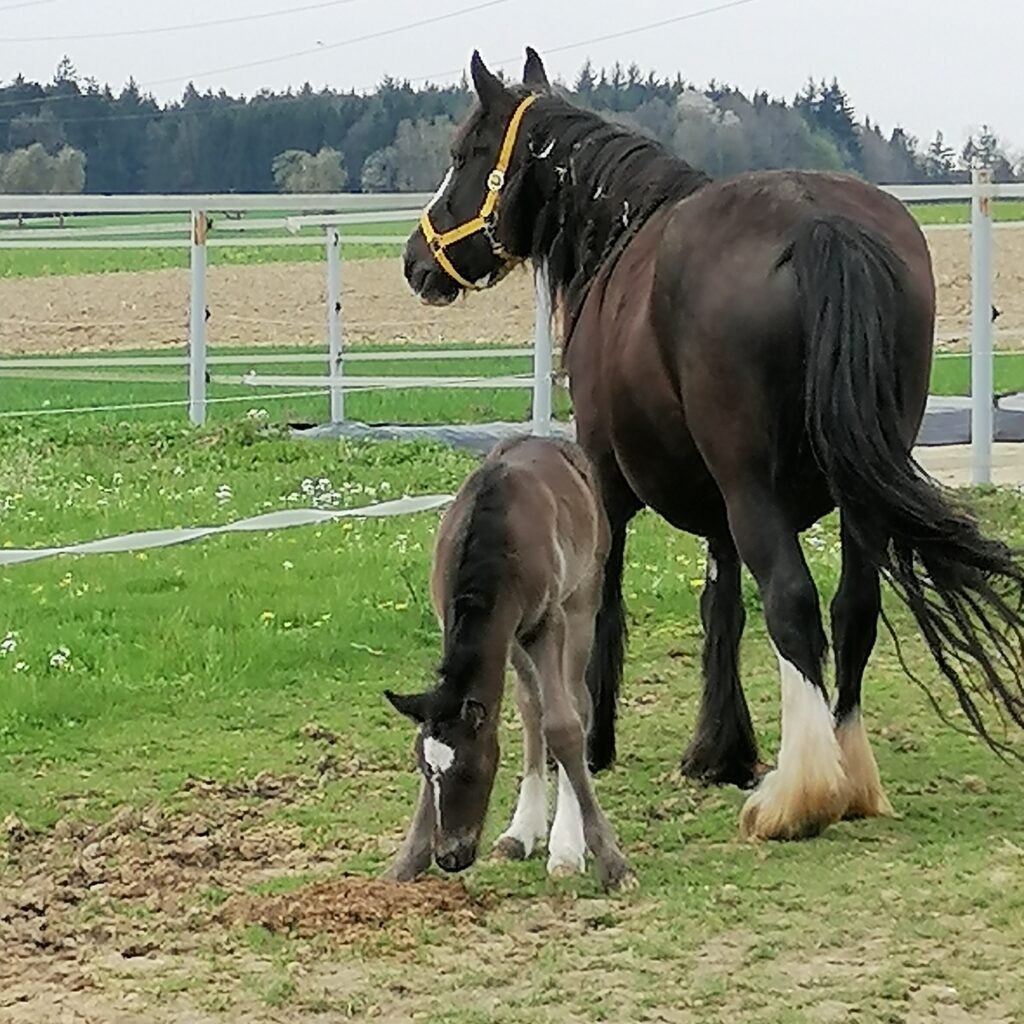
(483, 221)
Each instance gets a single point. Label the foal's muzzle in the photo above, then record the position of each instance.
(456, 856)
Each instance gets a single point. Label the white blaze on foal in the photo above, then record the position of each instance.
(567, 846)
(439, 757)
(808, 790)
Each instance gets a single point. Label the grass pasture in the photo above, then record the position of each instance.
(158, 771)
(54, 262)
(193, 739)
(113, 390)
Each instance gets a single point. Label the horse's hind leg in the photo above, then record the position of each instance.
(529, 826)
(807, 791)
(855, 611)
(567, 719)
(723, 749)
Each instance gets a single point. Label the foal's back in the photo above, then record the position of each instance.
(553, 531)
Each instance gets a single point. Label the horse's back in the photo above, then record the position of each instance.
(555, 531)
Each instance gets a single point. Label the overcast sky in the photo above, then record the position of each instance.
(925, 64)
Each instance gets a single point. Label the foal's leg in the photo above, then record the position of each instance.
(723, 748)
(418, 849)
(807, 791)
(567, 714)
(855, 611)
(529, 825)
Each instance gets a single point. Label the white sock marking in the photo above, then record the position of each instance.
(809, 745)
(567, 846)
(530, 822)
(809, 783)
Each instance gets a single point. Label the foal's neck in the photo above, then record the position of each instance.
(474, 666)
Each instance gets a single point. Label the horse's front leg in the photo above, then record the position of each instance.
(723, 748)
(418, 849)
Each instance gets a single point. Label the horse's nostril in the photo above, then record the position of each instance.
(448, 862)
(456, 860)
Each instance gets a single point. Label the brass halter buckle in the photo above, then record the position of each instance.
(438, 242)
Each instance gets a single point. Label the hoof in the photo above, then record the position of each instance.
(865, 796)
(619, 878)
(704, 767)
(509, 848)
(871, 803)
(562, 870)
(773, 813)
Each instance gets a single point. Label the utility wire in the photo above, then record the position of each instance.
(159, 30)
(180, 111)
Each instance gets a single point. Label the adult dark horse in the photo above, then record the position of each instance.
(744, 356)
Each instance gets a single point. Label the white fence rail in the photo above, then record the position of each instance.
(330, 213)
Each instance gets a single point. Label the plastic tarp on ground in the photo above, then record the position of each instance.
(947, 421)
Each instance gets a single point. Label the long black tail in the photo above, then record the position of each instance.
(965, 590)
(605, 669)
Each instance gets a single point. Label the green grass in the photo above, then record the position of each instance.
(206, 660)
(24, 390)
(40, 262)
(960, 213)
(30, 390)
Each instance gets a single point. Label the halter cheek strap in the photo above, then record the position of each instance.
(440, 241)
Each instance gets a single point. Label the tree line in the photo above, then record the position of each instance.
(70, 135)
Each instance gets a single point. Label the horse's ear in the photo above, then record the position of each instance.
(534, 75)
(474, 713)
(488, 86)
(413, 705)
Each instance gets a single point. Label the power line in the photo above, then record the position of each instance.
(327, 46)
(433, 77)
(25, 3)
(196, 25)
(689, 16)
(394, 30)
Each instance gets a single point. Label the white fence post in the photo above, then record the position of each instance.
(981, 327)
(197, 322)
(334, 325)
(542, 359)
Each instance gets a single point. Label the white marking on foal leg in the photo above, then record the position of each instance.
(808, 790)
(865, 797)
(567, 846)
(529, 826)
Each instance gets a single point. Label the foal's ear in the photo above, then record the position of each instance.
(534, 74)
(488, 86)
(474, 713)
(412, 705)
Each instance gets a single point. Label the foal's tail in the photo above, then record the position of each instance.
(965, 590)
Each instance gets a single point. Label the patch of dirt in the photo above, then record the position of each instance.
(350, 908)
(272, 304)
(283, 304)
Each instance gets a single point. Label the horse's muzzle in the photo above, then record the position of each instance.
(425, 275)
(456, 857)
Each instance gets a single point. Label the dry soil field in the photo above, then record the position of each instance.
(283, 304)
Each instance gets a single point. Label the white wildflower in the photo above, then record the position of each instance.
(61, 658)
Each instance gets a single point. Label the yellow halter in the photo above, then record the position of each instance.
(439, 241)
